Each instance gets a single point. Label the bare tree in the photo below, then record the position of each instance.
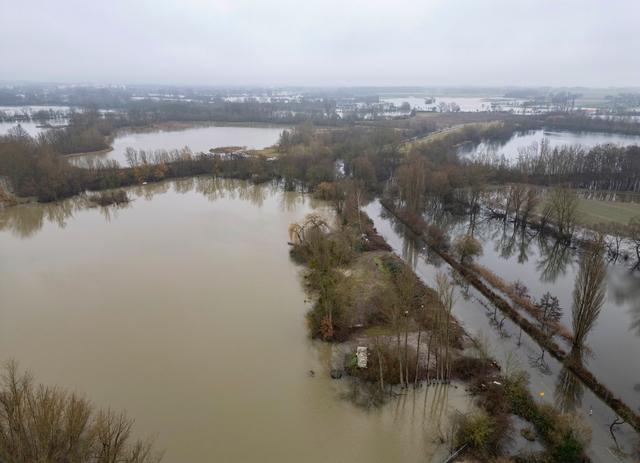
(445, 289)
(562, 208)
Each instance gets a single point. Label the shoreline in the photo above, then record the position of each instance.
(171, 126)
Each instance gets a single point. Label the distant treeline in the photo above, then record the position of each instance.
(603, 167)
(148, 111)
(580, 122)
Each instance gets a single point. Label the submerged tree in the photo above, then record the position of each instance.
(550, 306)
(589, 291)
(562, 208)
(467, 247)
(442, 328)
(411, 179)
(569, 390)
(634, 236)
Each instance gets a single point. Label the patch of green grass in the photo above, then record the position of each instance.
(593, 211)
(380, 330)
(596, 211)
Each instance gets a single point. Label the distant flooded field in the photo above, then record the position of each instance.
(511, 148)
(198, 139)
(184, 308)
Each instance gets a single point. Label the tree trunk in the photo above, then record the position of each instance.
(399, 358)
(415, 379)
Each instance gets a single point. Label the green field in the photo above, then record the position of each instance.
(593, 211)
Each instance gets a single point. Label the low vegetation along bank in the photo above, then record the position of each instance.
(367, 296)
(421, 228)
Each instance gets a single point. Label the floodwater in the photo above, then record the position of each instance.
(30, 127)
(198, 139)
(512, 147)
(184, 309)
(544, 265)
(29, 111)
(615, 332)
(33, 128)
(466, 104)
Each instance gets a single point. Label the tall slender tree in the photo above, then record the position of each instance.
(589, 291)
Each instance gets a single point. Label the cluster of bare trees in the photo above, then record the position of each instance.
(47, 424)
(561, 208)
(404, 309)
(439, 339)
(602, 167)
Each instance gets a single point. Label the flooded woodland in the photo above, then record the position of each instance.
(543, 265)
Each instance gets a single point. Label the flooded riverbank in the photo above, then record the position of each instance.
(146, 308)
(549, 381)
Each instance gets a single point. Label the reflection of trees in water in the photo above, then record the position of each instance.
(569, 390)
(538, 362)
(290, 201)
(624, 285)
(26, 220)
(150, 190)
(410, 252)
(554, 259)
(111, 212)
(513, 239)
(184, 185)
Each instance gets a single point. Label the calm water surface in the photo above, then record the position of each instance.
(198, 139)
(184, 309)
(512, 147)
(31, 127)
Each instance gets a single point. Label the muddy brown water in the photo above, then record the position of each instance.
(184, 309)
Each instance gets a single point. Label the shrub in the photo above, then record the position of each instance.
(483, 433)
(467, 247)
(106, 198)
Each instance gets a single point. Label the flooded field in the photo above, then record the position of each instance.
(184, 309)
(516, 350)
(33, 128)
(198, 139)
(512, 147)
(465, 104)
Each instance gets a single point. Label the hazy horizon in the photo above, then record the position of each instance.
(434, 43)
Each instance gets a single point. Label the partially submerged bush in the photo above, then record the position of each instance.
(483, 433)
(107, 198)
(467, 247)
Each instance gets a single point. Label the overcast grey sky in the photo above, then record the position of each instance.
(322, 42)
